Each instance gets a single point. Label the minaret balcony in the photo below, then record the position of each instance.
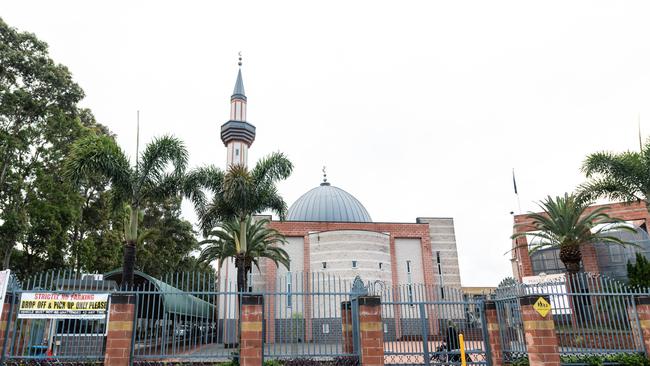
(237, 130)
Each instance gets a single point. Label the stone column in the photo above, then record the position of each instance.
(346, 327)
(120, 330)
(643, 314)
(371, 331)
(252, 309)
(494, 335)
(541, 339)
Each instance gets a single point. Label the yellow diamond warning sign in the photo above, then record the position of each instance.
(542, 306)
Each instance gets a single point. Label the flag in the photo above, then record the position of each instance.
(514, 181)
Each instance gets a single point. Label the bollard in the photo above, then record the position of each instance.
(462, 350)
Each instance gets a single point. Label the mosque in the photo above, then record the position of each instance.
(330, 232)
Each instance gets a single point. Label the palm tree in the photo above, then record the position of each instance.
(148, 180)
(619, 177)
(225, 241)
(238, 194)
(565, 224)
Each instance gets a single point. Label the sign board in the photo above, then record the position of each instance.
(4, 282)
(543, 278)
(49, 305)
(542, 307)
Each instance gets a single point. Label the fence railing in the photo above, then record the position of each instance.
(31, 335)
(422, 324)
(592, 314)
(303, 316)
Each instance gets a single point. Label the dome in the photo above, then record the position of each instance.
(328, 203)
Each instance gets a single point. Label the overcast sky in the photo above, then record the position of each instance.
(416, 108)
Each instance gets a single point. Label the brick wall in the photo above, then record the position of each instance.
(633, 211)
(371, 332)
(120, 330)
(541, 340)
(494, 336)
(252, 309)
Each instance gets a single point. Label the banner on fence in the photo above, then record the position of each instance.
(49, 305)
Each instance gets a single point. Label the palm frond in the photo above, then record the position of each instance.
(273, 168)
(100, 155)
(157, 156)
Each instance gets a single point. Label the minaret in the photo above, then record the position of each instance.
(237, 134)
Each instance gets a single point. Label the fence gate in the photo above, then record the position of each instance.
(421, 331)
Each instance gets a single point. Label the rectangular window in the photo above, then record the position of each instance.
(380, 266)
(354, 264)
(250, 281)
(442, 292)
(324, 265)
(326, 328)
(289, 300)
(385, 328)
(408, 266)
(438, 262)
(410, 293)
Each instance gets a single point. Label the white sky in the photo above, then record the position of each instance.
(416, 108)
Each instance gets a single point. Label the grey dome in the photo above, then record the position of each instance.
(328, 203)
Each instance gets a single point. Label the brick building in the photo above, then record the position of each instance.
(330, 231)
(610, 260)
(331, 235)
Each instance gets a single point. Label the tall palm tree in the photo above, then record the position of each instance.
(225, 241)
(565, 224)
(621, 177)
(238, 194)
(148, 180)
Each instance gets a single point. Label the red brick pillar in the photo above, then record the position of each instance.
(252, 309)
(371, 332)
(120, 330)
(346, 327)
(541, 340)
(7, 318)
(589, 259)
(494, 336)
(643, 314)
(271, 275)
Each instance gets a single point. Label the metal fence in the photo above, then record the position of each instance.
(35, 336)
(194, 317)
(422, 324)
(184, 316)
(302, 316)
(592, 314)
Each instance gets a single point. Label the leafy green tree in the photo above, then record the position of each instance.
(135, 186)
(639, 272)
(566, 223)
(238, 194)
(620, 177)
(169, 240)
(225, 241)
(39, 120)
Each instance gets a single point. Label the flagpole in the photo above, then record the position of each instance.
(639, 127)
(514, 183)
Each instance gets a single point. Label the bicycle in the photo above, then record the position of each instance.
(448, 357)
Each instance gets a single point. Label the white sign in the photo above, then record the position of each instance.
(543, 278)
(49, 305)
(4, 282)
